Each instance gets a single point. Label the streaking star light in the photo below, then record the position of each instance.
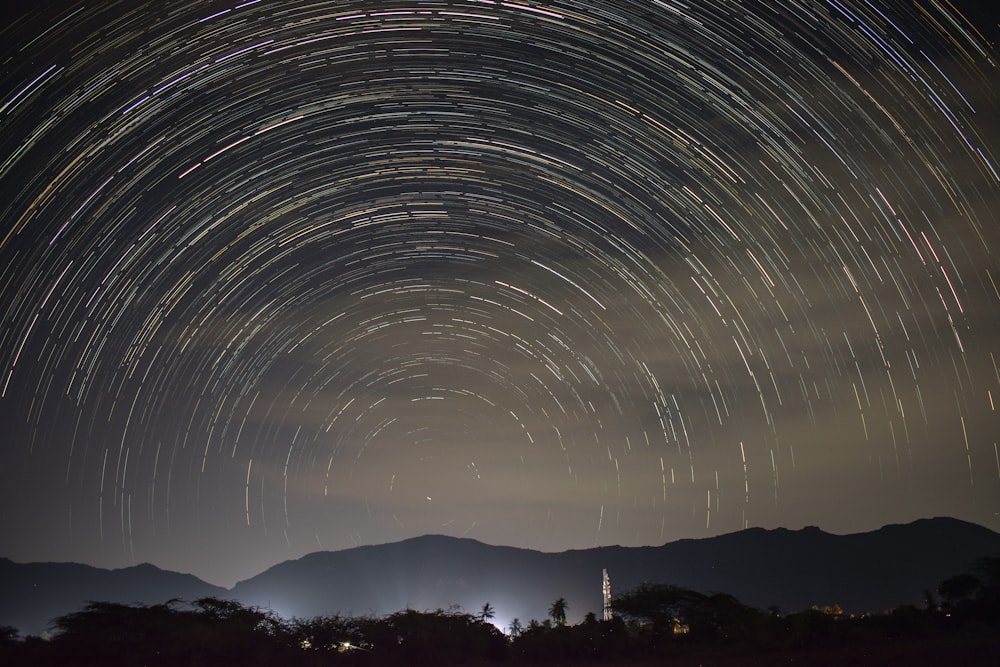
(273, 276)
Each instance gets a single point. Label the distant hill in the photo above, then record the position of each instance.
(790, 569)
(32, 594)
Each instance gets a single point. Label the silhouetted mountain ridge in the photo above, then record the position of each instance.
(790, 569)
(32, 594)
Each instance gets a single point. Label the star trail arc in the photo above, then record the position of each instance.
(280, 275)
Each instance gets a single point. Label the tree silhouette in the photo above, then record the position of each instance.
(8, 633)
(210, 632)
(660, 606)
(958, 589)
(215, 633)
(557, 612)
(329, 633)
(487, 612)
(975, 595)
(432, 638)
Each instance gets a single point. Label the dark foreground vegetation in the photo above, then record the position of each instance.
(652, 624)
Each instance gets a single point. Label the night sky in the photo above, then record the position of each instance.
(280, 277)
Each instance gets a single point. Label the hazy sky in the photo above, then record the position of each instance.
(287, 276)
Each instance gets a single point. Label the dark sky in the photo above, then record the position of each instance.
(287, 276)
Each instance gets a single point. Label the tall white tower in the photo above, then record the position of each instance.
(606, 591)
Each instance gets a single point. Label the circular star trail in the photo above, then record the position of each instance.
(284, 276)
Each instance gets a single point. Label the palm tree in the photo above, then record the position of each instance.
(487, 612)
(557, 612)
(515, 628)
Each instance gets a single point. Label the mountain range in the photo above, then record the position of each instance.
(788, 569)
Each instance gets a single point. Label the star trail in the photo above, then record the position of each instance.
(287, 276)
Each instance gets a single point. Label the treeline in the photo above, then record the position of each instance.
(651, 623)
